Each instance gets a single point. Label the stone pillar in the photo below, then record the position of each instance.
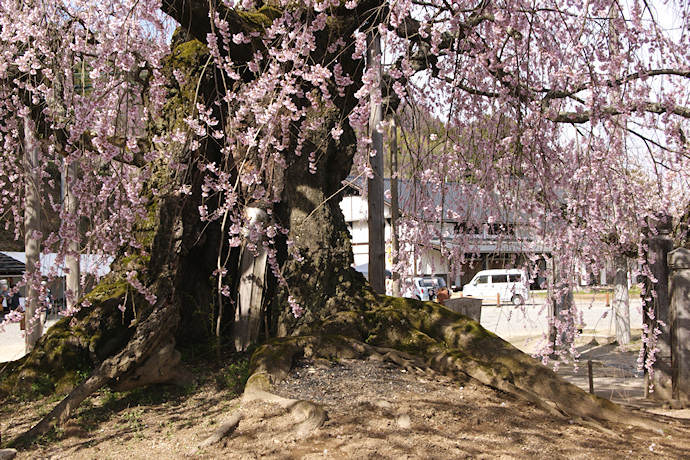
(679, 295)
(658, 384)
(252, 281)
(560, 307)
(621, 301)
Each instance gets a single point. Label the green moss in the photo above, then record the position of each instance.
(190, 58)
(462, 361)
(274, 353)
(187, 54)
(109, 288)
(262, 18)
(65, 355)
(145, 235)
(477, 331)
(59, 365)
(346, 323)
(68, 382)
(332, 347)
(259, 381)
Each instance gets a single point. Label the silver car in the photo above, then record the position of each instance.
(425, 288)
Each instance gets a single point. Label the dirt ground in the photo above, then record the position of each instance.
(375, 410)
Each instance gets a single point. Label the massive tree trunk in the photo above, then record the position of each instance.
(181, 250)
(128, 337)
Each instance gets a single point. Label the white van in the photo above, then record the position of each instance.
(510, 285)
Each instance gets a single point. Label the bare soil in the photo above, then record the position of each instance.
(375, 410)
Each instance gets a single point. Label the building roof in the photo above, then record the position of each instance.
(468, 202)
(472, 208)
(14, 263)
(10, 266)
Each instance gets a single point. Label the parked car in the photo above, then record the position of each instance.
(425, 288)
(508, 285)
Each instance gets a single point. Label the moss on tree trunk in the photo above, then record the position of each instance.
(342, 316)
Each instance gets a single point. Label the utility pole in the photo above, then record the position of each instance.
(377, 245)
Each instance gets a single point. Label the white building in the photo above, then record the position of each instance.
(490, 245)
(12, 266)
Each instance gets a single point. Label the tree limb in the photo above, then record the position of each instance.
(149, 335)
(586, 115)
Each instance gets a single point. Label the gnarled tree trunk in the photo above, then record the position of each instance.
(182, 251)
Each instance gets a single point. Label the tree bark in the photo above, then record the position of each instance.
(376, 222)
(32, 238)
(181, 250)
(149, 337)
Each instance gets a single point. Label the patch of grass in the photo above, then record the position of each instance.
(108, 396)
(196, 350)
(132, 417)
(145, 396)
(190, 389)
(234, 377)
(55, 434)
(168, 427)
(103, 406)
(42, 385)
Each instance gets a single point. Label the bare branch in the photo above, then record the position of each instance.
(563, 93)
(586, 115)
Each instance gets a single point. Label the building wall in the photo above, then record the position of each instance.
(355, 212)
(430, 261)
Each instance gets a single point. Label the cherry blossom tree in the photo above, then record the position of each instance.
(265, 106)
(72, 90)
(565, 118)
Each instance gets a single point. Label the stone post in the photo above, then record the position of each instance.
(679, 295)
(621, 301)
(658, 384)
(252, 282)
(561, 301)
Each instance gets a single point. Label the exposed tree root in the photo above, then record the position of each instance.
(425, 336)
(152, 335)
(420, 337)
(225, 429)
(7, 454)
(311, 415)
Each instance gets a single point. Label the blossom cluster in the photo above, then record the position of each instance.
(545, 124)
(84, 77)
